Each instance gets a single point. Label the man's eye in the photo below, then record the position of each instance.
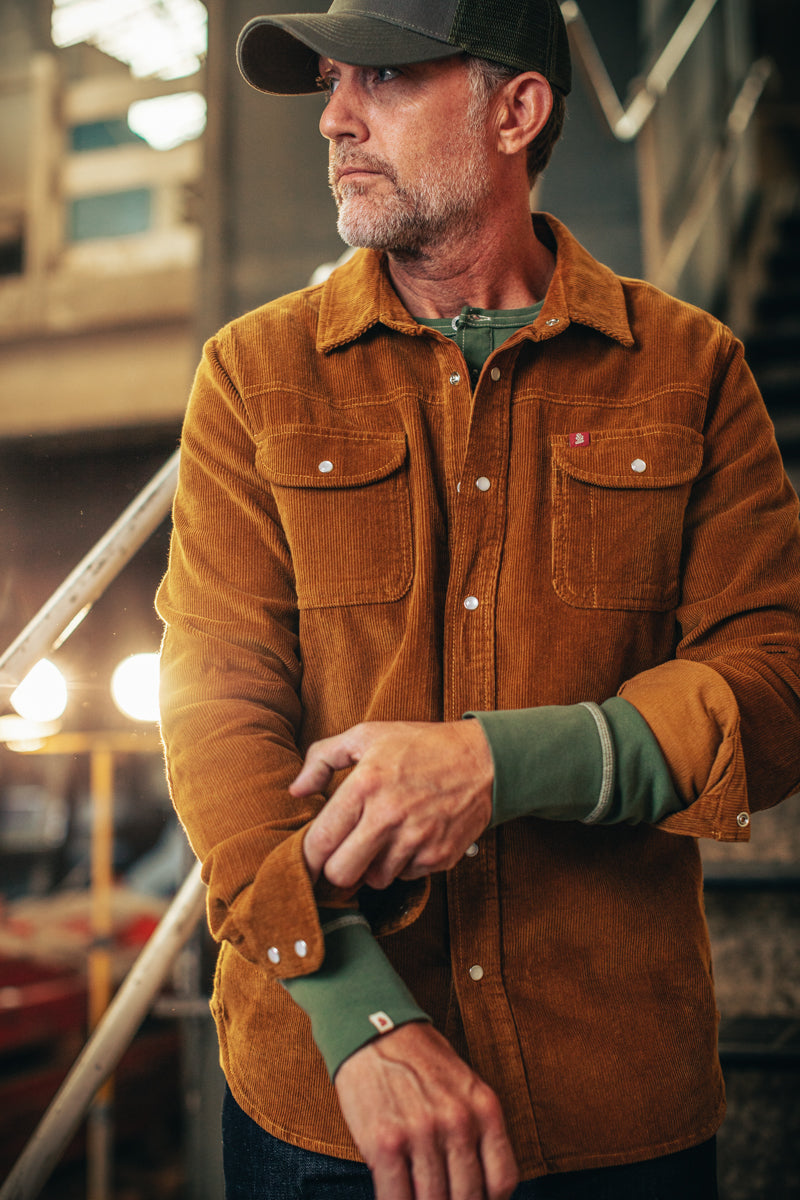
(386, 73)
(327, 84)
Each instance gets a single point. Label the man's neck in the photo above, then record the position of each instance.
(511, 269)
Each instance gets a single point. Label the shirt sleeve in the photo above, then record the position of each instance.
(230, 681)
(725, 709)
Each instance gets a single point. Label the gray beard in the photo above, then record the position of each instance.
(410, 222)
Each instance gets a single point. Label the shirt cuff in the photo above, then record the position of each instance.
(599, 764)
(356, 995)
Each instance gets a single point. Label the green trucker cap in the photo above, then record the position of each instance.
(278, 54)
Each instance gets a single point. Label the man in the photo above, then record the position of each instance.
(472, 475)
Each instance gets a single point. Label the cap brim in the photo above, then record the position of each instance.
(279, 54)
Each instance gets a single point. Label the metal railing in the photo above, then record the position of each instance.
(666, 261)
(108, 1043)
(50, 628)
(70, 603)
(627, 123)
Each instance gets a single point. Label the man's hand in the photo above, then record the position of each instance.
(427, 1126)
(420, 793)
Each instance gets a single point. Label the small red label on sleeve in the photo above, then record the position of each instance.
(579, 439)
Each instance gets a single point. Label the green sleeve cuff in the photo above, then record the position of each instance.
(596, 764)
(643, 787)
(356, 995)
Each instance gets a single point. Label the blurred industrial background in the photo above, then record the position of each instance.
(146, 196)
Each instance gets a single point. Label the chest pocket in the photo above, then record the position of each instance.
(343, 498)
(619, 500)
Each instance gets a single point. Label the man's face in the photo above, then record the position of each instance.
(408, 161)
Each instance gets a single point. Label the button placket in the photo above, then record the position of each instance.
(475, 537)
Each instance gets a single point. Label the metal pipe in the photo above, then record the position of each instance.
(589, 58)
(99, 1146)
(627, 123)
(70, 602)
(107, 1044)
(673, 263)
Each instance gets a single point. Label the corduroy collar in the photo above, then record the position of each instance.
(360, 294)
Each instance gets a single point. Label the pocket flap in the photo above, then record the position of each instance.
(650, 457)
(311, 456)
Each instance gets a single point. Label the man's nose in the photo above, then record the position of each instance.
(342, 116)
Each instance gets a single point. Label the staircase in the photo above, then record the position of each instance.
(773, 345)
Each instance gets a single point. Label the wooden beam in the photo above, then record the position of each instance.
(116, 169)
(99, 97)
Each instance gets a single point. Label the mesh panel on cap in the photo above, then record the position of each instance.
(523, 35)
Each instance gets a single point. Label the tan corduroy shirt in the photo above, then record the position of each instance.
(334, 561)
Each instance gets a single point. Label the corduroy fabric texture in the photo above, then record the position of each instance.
(639, 536)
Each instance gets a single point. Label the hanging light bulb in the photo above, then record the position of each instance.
(134, 687)
(42, 695)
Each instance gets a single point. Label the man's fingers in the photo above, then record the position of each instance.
(500, 1170)
(356, 852)
(391, 1181)
(467, 1177)
(429, 1174)
(327, 831)
(322, 759)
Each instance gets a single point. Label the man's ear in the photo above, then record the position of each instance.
(524, 105)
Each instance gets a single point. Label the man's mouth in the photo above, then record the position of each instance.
(355, 172)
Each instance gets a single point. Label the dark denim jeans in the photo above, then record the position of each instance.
(260, 1167)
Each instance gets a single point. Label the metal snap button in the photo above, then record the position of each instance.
(471, 603)
(495, 373)
(301, 948)
(743, 820)
(471, 850)
(455, 378)
(553, 321)
(325, 466)
(638, 465)
(476, 972)
(274, 954)
(482, 483)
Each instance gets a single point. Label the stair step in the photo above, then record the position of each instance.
(779, 300)
(788, 228)
(780, 387)
(757, 1038)
(778, 342)
(784, 263)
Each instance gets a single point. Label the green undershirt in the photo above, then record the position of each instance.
(595, 764)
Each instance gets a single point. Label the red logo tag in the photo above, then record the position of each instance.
(579, 439)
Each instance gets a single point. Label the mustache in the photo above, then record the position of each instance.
(342, 158)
